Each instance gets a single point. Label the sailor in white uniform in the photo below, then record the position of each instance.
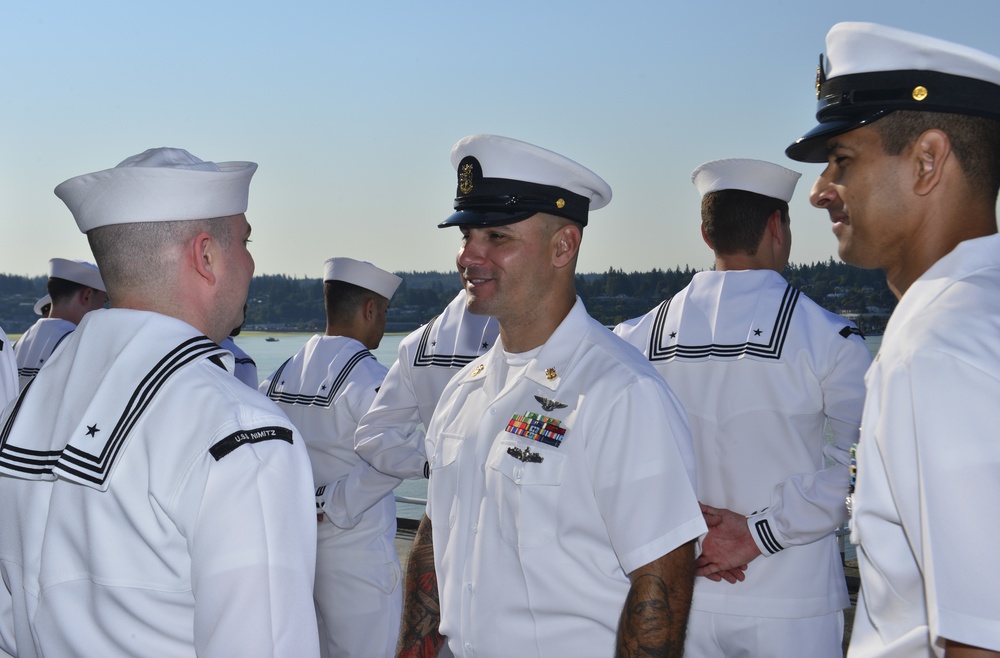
(761, 370)
(557, 523)
(75, 289)
(909, 133)
(154, 505)
(391, 435)
(325, 389)
(246, 367)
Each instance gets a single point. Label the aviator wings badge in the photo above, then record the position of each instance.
(549, 405)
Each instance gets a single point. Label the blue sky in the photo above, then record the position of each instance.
(351, 111)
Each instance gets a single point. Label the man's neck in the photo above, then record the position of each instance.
(939, 240)
(532, 329)
(346, 330)
(736, 262)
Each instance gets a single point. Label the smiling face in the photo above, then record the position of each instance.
(862, 188)
(505, 267)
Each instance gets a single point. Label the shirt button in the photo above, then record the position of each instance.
(468, 646)
(493, 411)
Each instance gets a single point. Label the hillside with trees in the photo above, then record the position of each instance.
(278, 302)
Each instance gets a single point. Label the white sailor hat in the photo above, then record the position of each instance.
(871, 70)
(77, 271)
(42, 303)
(757, 176)
(158, 185)
(503, 180)
(362, 274)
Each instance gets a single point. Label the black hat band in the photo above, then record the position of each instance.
(502, 195)
(930, 91)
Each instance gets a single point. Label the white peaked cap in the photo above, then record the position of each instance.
(40, 304)
(502, 180)
(362, 274)
(757, 176)
(77, 271)
(872, 70)
(869, 47)
(158, 185)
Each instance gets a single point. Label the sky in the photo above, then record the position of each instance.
(351, 110)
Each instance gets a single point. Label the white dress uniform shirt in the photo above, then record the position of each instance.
(761, 369)
(35, 346)
(325, 389)
(165, 508)
(391, 435)
(928, 474)
(548, 489)
(246, 367)
(8, 371)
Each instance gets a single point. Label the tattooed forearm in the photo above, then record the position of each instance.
(419, 636)
(654, 619)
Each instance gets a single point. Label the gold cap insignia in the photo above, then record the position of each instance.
(478, 369)
(820, 76)
(550, 373)
(465, 178)
(560, 203)
(919, 93)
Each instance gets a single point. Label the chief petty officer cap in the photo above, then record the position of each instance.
(362, 274)
(158, 185)
(503, 180)
(757, 176)
(77, 271)
(871, 70)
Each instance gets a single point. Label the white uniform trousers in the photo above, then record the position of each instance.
(714, 635)
(359, 600)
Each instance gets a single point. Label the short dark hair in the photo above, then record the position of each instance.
(60, 289)
(134, 254)
(343, 299)
(734, 220)
(975, 141)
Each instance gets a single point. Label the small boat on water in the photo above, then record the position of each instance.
(271, 339)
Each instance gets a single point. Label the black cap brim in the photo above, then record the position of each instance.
(811, 147)
(470, 218)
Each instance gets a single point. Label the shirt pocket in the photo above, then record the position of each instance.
(526, 493)
(446, 476)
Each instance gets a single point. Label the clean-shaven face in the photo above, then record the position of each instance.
(861, 189)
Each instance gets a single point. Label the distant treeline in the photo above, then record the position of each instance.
(284, 303)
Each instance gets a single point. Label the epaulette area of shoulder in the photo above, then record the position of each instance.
(847, 331)
(244, 437)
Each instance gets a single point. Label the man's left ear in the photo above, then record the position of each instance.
(567, 241)
(200, 252)
(774, 224)
(932, 150)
